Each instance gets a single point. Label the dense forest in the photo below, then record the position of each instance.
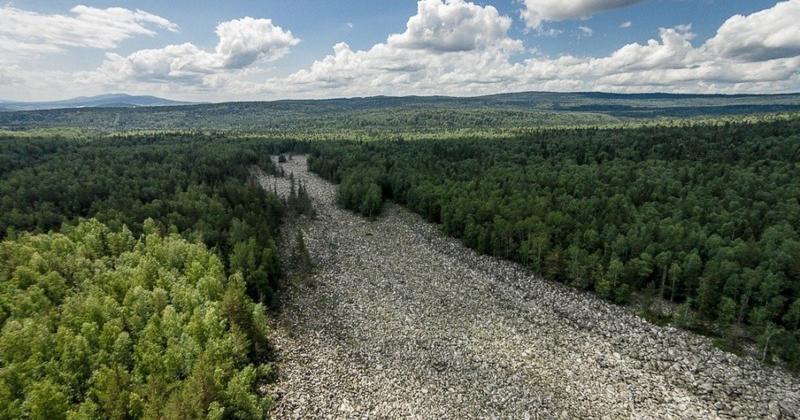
(191, 185)
(700, 222)
(156, 306)
(99, 324)
(136, 269)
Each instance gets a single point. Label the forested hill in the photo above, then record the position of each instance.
(409, 114)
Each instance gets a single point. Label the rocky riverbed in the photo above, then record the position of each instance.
(399, 321)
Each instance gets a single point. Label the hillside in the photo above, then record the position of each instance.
(412, 114)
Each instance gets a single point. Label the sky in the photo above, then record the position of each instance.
(203, 50)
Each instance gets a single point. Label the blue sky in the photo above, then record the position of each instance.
(286, 49)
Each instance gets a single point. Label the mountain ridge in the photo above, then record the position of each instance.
(108, 100)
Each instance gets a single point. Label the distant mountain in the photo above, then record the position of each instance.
(114, 100)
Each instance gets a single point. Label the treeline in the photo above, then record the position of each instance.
(705, 217)
(196, 344)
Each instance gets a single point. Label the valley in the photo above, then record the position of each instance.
(424, 209)
(397, 320)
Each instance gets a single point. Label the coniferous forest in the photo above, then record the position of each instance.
(135, 276)
(701, 222)
(420, 209)
(138, 271)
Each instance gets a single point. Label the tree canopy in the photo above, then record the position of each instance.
(99, 324)
(134, 276)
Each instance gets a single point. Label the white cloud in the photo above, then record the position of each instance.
(173, 62)
(585, 30)
(626, 24)
(734, 76)
(671, 62)
(84, 27)
(448, 47)
(674, 50)
(769, 34)
(537, 11)
(242, 42)
(12, 50)
(454, 25)
(8, 75)
(245, 41)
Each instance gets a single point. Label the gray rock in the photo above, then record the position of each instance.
(399, 321)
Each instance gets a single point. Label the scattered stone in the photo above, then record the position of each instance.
(400, 321)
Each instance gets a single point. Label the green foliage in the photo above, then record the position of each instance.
(115, 320)
(704, 214)
(196, 186)
(98, 324)
(611, 286)
(360, 192)
(18, 153)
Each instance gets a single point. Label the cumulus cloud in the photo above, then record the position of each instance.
(535, 12)
(456, 47)
(446, 44)
(626, 24)
(585, 30)
(173, 62)
(673, 50)
(769, 34)
(241, 43)
(245, 41)
(454, 25)
(84, 27)
(415, 64)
